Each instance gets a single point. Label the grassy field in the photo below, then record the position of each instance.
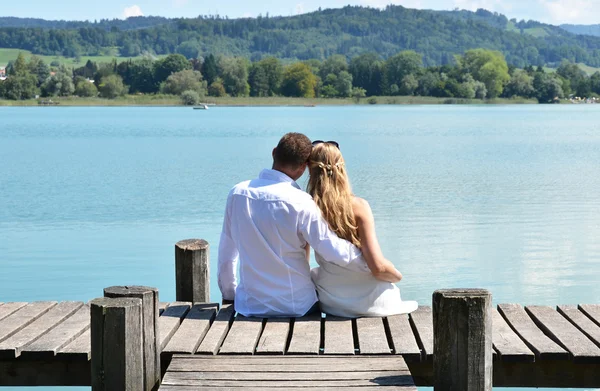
(7, 55)
(166, 100)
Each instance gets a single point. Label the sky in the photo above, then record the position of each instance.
(549, 11)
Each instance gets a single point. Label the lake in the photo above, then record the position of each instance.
(499, 197)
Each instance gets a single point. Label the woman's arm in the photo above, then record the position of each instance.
(380, 267)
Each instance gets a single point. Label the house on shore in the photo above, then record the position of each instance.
(2, 73)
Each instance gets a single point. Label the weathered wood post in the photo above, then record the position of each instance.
(192, 271)
(462, 340)
(116, 341)
(150, 335)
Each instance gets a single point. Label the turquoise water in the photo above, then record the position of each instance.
(497, 197)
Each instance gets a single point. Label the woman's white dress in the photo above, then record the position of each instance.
(351, 293)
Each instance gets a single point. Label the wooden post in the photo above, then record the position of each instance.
(192, 271)
(150, 334)
(462, 340)
(116, 341)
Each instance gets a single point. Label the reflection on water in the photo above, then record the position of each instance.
(498, 197)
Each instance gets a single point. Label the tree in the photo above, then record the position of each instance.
(333, 65)
(265, 77)
(85, 89)
(141, 77)
(298, 81)
(210, 69)
(187, 80)
(190, 98)
(520, 84)
(19, 68)
(20, 87)
(38, 67)
(234, 72)
(548, 87)
(216, 88)
(367, 72)
(343, 84)
(409, 85)
(59, 84)
(487, 66)
(358, 93)
(401, 65)
(190, 49)
(112, 87)
(173, 63)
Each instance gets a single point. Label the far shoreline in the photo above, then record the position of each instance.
(166, 101)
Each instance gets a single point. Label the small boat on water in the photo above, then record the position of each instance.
(201, 107)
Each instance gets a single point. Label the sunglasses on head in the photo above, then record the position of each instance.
(334, 143)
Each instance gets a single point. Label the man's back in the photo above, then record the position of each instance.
(262, 222)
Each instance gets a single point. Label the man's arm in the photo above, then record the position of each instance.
(228, 258)
(327, 244)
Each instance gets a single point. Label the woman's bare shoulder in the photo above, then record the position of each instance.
(361, 207)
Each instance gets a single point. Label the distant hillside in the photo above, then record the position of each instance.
(593, 29)
(438, 35)
(132, 23)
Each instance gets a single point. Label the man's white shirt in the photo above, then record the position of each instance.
(268, 223)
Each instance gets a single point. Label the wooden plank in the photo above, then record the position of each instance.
(193, 329)
(592, 311)
(582, 322)
(391, 380)
(290, 360)
(402, 337)
(162, 306)
(290, 376)
(422, 322)
(565, 334)
(168, 387)
(306, 335)
(508, 344)
(274, 336)
(543, 347)
(371, 336)
(45, 373)
(66, 332)
(13, 346)
(215, 336)
(78, 350)
(170, 321)
(243, 336)
(9, 308)
(22, 317)
(338, 335)
(378, 364)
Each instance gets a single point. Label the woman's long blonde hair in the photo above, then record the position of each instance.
(329, 186)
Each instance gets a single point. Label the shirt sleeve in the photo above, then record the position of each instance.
(228, 257)
(315, 230)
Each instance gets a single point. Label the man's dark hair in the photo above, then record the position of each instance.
(293, 150)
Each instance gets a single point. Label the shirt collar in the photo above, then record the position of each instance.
(277, 176)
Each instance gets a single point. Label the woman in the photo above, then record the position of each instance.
(345, 292)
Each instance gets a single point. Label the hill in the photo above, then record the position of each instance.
(593, 29)
(350, 31)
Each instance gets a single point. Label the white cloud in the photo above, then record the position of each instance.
(299, 8)
(134, 10)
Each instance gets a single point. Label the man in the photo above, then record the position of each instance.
(268, 223)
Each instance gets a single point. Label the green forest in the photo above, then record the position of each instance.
(476, 74)
(350, 31)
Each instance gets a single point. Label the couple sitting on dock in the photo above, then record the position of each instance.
(270, 225)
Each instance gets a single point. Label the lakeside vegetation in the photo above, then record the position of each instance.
(10, 55)
(478, 74)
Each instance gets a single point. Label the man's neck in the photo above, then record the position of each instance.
(285, 170)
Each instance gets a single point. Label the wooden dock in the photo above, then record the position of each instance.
(129, 341)
(48, 343)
